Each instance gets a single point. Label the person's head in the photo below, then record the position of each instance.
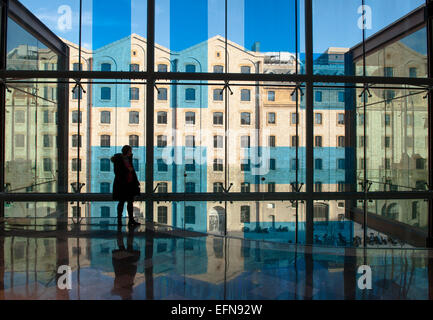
(127, 150)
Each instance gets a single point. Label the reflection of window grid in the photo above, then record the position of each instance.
(218, 187)
(162, 187)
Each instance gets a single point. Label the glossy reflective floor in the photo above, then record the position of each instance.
(155, 262)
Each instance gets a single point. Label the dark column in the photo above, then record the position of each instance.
(148, 265)
(349, 274)
(309, 120)
(3, 42)
(62, 258)
(150, 92)
(429, 23)
(309, 270)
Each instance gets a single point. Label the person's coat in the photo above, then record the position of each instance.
(121, 189)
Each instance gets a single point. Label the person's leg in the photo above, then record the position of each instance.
(130, 208)
(119, 212)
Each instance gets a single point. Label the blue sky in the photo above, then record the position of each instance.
(181, 23)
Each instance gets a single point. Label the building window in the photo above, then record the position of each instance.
(76, 212)
(245, 165)
(340, 186)
(318, 96)
(217, 165)
(318, 186)
(294, 141)
(76, 141)
(318, 118)
(134, 93)
(387, 142)
(387, 119)
(245, 69)
(134, 117)
(420, 164)
(318, 164)
(19, 140)
(104, 187)
(389, 95)
(387, 163)
(341, 96)
(161, 141)
(318, 141)
(271, 141)
(294, 118)
(48, 141)
(189, 117)
(190, 68)
(245, 214)
(245, 118)
(105, 212)
(340, 119)
(20, 116)
(48, 164)
(162, 166)
(218, 187)
(75, 118)
(218, 95)
(245, 95)
(134, 67)
(245, 187)
(190, 141)
(190, 187)
(105, 93)
(77, 66)
(362, 141)
(190, 165)
(77, 93)
(271, 95)
(412, 72)
(218, 118)
(245, 141)
(271, 118)
(218, 69)
(105, 165)
(190, 94)
(162, 67)
(76, 164)
(161, 117)
(47, 117)
(162, 214)
(294, 164)
(105, 67)
(388, 72)
(105, 117)
(105, 141)
(341, 164)
(190, 215)
(133, 140)
(340, 141)
(162, 94)
(272, 164)
(415, 210)
(271, 187)
(162, 187)
(218, 142)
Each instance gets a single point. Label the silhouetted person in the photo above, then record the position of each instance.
(126, 185)
(124, 264)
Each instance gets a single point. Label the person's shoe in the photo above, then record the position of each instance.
(132, 222)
